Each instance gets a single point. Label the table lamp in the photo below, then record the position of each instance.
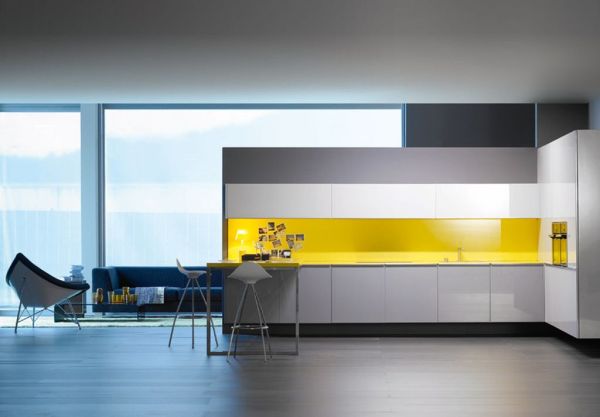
(240, 234)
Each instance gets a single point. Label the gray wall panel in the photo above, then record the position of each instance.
(470, 125)
(379, 165)
(594, 114)
(556, 120)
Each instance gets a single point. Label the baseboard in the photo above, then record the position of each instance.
(412, 329)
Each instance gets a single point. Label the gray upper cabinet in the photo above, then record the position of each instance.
(358, 294)
(517, 293)
(464, 293)
(411, 294)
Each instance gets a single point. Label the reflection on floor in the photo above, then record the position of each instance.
(99, 321)
(132, 372)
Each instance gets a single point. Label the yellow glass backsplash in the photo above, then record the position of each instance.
(400, 240)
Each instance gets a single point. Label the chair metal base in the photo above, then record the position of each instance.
(237, 326)
(194, 282)
(35, 315)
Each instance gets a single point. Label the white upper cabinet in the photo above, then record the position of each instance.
(524, 201)
(278, 200)
(383, 201)
(472, 201)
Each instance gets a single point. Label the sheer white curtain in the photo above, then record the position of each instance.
(40, 209)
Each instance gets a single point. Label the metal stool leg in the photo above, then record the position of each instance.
(237, 338)
(177, 311)
(260, 322)
(264, 319)
(212, 324)
(236, 321)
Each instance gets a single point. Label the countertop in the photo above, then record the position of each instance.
(295, 264)
(474, 263)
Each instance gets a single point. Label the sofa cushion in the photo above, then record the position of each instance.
(161, 276)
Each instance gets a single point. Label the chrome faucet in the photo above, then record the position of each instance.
(458, 254)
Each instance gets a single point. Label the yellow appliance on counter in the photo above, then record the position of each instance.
(559, 243)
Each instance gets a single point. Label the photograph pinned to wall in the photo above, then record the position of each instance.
(281, 228)
(262, 230)
(290, 243)
(272, 238)
(290, 237)
(271, 226)
(277, 243)
(298, 245)
(300, 237)
(262, 238)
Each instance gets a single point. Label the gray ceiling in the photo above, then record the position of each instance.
(368, 51)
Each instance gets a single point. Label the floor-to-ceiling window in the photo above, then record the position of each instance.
(163, 169)
(40, 210)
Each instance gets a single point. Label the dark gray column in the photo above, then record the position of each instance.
(556, 120)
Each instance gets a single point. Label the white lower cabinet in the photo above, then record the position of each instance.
(358, 294)
(315, 294)
(411, 294)
(423, 294)
(464, 293)
(517, 293)
(561, 299)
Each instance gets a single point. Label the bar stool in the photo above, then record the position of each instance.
(249, 273)
(192, 277)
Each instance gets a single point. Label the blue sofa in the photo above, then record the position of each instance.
(116, 277)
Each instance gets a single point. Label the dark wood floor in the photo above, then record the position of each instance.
(131, 372)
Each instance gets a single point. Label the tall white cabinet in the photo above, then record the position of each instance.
(569, 179)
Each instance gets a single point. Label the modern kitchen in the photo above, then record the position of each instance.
(504, 239)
